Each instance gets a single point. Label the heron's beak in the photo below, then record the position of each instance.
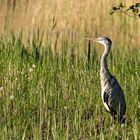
(92, 39)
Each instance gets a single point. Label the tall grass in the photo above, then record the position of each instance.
(83, 17)
(47, 97)
(48, 90)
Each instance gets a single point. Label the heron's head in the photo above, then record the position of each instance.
(102, 40)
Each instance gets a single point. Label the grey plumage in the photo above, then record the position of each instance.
(112, 94)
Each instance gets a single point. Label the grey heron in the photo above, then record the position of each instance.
(112, 94)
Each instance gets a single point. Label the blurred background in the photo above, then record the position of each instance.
(58, 19)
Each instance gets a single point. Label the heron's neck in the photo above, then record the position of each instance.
(104, 66)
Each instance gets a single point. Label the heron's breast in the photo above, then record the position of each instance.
(102, 96)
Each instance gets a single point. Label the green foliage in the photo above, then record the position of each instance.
(43, 96)
(133, 10)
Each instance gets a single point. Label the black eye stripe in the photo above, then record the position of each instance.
(106, 39)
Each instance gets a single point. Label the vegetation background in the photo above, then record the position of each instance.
(48, 90)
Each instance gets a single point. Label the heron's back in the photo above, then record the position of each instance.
(113, 94)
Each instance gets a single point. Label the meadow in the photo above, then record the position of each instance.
(48, 88)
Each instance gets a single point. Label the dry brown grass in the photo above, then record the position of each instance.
(69, 18)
